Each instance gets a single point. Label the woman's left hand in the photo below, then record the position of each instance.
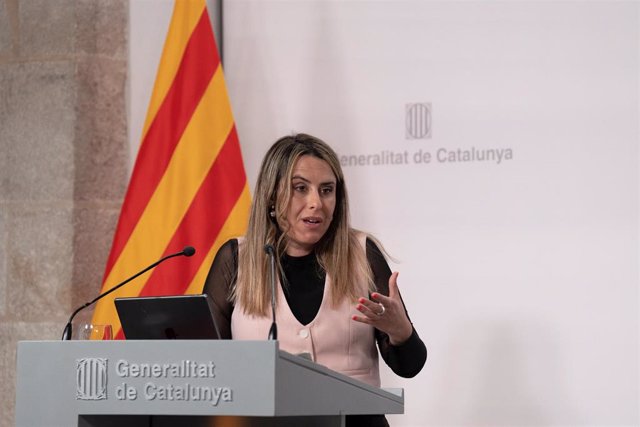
(386, 313)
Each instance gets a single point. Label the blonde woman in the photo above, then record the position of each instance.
(336, 296)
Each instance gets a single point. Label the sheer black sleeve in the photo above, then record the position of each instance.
(408, 358)
(222, 275)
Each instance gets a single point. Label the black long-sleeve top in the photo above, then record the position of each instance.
(303, 286)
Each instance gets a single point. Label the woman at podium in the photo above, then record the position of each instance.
(336, 299)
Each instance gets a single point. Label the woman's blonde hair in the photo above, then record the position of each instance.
(339, 252)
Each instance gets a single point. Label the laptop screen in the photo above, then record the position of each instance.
(185, 317)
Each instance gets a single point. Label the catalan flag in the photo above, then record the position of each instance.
(188, 185)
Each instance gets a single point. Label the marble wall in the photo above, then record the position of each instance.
(63, 163)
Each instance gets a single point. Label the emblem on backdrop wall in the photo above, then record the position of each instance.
(91, 378)
(449, 151)
(418, 120)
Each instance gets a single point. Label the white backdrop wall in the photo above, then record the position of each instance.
(520, 271)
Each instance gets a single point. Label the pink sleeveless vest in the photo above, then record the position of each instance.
(332, 338)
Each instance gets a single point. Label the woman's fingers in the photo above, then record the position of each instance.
(386, 313)
(369, 308)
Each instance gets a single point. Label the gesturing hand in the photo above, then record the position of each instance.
(386, 313)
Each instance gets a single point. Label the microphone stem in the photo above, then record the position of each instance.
(131, 278)
(66, 334)
(273, 331)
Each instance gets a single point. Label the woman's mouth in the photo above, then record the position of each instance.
(312, 220)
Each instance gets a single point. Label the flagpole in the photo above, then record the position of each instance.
(215, 14)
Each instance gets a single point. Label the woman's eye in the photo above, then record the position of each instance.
(299, 187)
(327, 190)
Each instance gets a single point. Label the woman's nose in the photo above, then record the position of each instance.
(314, 200)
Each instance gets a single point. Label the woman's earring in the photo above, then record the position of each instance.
(272, 212)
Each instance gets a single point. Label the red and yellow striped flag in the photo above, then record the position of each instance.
(188, 186)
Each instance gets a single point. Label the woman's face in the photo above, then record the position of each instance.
(313, 200)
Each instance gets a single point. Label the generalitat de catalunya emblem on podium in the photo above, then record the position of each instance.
(91, 378)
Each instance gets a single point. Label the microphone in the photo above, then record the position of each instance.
(273, 331)
(66, 334)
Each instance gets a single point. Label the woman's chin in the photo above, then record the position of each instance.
(303, 244)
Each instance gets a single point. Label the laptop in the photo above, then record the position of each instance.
(184, 317)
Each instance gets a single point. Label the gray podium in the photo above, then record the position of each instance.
(195, 383)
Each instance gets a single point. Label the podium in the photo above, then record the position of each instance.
(195, 383)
